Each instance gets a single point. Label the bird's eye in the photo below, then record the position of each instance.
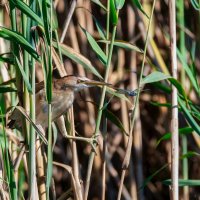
(79, 81)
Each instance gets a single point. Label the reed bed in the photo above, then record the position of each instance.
(134, 137)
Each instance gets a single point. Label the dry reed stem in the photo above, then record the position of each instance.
(113, 172)
(174, 121)
(68, 19)
(40, 167)
(75, 45)
(75, 163)
(137, 141)
(69, 170)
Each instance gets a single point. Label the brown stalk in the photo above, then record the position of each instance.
(174, 121)
(40, 167)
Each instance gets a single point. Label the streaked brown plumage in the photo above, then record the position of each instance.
(62, 98)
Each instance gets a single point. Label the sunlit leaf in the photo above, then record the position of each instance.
(27, 10)
(119, 4)
(19, 39)
(155, 77)
(124, 45)
(78, 58)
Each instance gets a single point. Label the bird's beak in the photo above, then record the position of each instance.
(91, 83)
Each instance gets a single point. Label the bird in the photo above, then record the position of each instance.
(63, 94)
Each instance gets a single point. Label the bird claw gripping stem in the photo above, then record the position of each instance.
(94, 142)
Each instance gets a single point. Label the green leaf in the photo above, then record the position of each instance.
(113, 13)
(45, 13)
(114, 92)
(23, 112)
(195, 4)
(182, 182)
(19, 39)
(99, 4)
(148, 179)
(190, 154)
(26, 9)
(54, 20)
(8, 82)
(195, 73)
(124, 45)
(78, 58)
(119, 4)
(4, 89)
(178, 87)
(188, 70)
(155, 77)
(188, 116)
(102, 56)
(8, 60)
(8, 165)
(163, 87)
(139, 6)
(114, 119)
(182, 131)
(98, 25)
(25, 78)
(168, 105)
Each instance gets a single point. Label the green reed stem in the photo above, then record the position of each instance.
(50, 137)
(182, 47)
(108, 66)
(136, 102)
(32, 137)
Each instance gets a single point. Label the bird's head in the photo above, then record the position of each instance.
(76, 83)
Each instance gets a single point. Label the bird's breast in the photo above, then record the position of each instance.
(61, 101)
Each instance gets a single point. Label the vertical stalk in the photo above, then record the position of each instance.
(32, 137)
(104, 119)
(174, 121)
(126, 161)
(49, 152)
(182, 48)
(108, 65)
(32, 148)
(27, 107)
(49, 82)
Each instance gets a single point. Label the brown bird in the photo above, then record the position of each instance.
(63, 92)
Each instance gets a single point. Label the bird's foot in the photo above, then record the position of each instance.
(94, 142)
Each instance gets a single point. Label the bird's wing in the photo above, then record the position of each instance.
(15, 118)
